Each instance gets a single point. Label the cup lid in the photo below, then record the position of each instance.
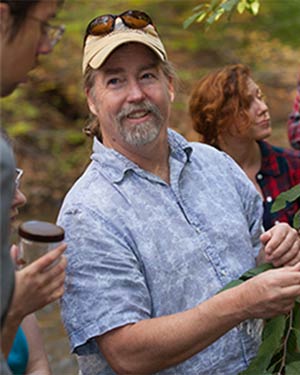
(41, 231)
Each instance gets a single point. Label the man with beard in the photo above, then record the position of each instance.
(156, 226)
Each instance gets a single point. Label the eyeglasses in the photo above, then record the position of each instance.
(19, 174)
(105, 24)
(53, 33)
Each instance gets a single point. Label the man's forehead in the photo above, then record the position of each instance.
(141, 53)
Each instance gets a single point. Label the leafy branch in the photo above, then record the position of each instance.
(279, 350)
(211, 11)
(287, 197)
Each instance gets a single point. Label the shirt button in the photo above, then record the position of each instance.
(259, 176)
(269, 199)
(197, 230)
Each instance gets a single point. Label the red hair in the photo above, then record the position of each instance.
(220, 103)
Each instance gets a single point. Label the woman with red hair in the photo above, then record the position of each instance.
(228, 110)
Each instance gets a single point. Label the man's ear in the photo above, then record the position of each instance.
(91, 101)
(171, 89)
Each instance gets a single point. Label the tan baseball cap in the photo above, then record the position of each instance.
(98, 48)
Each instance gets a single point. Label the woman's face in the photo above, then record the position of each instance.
(260, 127)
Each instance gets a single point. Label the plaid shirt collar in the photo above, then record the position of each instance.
(270, 166)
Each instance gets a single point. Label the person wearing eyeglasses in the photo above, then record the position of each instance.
(25, 33)
(294, 120)
(229, 112)
(156, 226)
(36, 286)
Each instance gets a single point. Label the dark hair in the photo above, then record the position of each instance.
(19, 10)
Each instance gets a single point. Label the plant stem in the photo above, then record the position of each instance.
(285, 342)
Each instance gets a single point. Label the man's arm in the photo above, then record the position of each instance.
(155, 344)
(294, 121)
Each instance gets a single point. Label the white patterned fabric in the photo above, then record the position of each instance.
(139, 248)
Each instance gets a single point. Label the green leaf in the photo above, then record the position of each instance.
(241, 6)
(255, 8)
(229, 5)
(292, 364)
(192, 19)
(292, 368)
(215, 16)
(256, 271)
(271, 344)
(232, 284)
(296, 315)
(296, 220)
(287, 196)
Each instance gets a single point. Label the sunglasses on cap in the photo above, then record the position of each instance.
(134, 19)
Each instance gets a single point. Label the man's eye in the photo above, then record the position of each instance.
(148, 76)
(113, 81)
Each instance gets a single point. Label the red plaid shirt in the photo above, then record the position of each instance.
(279, 172)
(294, 122)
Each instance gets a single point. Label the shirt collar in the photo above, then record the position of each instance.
(269, 163)
(115, 166)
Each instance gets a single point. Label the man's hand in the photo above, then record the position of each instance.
(281, 245)
(270, 293)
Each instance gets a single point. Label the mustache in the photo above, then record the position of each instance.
(146, 106)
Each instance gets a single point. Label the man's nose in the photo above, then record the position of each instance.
(135, 92)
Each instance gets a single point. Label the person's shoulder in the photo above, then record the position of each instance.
(278, 151)
(206, 152)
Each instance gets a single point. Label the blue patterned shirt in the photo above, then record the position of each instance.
(140, 248)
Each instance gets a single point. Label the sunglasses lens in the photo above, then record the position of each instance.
(101, 25)
(105, 24)
(136, 19)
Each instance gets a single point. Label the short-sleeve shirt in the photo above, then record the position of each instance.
(139, 248)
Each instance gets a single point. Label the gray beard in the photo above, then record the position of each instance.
(144, 133)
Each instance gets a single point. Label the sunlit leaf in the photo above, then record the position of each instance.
(193, 18)
(215, 16)
(229, 5)
(241, 7)
(255, 8)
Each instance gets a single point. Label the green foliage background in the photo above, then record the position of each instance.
(46, 115)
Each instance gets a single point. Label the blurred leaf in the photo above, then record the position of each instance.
(287, 196)
(20, 128)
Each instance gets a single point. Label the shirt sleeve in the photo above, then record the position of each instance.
(105, 286)
(294, 122)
